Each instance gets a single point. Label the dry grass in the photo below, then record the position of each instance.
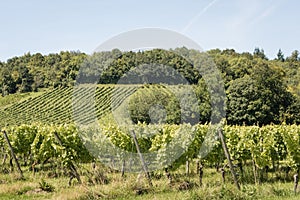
(131, 187)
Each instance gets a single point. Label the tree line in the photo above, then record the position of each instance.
(258, 90)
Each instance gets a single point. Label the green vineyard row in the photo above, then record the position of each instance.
(55, 107)
(66, 105)
(272, 146)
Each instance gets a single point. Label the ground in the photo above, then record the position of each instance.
(133, 186)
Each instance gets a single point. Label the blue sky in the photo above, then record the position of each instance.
(56, 25)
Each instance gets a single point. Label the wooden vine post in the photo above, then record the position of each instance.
(296, 181)
(187, 168)
(13, 154)
(168, 175)
(228, 158)
(74, 173)
(223, 175)
(200, 171)
(145, 168)
(123, 168)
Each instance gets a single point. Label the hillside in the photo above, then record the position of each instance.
(258, 90)
(52, 107)
(55, 106)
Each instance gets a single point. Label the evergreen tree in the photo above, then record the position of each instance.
(280, 56)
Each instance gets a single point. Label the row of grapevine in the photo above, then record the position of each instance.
(272, 146)
(55, 107)
(39, 144)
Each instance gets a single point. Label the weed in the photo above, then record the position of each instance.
(46, 186)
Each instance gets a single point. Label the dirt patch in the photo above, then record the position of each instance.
(36, 191)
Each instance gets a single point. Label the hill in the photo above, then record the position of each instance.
(55, 106)
(258, 90)
(52, 107)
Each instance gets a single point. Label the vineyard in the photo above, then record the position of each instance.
(46, 141)
(272, 152)
(270, 147)
(55, 107)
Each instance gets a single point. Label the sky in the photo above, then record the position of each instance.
(50, 26)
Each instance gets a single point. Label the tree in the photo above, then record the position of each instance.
(154, 104)
(280, 56)
(274, 90)
(294, 57)
(203, 97)
(244, 102)
(8, 85)
(259, 53)
(24, 79)
(260, 97)
(230, 52)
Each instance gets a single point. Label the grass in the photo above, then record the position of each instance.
(132, 187)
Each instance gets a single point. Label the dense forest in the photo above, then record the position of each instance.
(259, 90)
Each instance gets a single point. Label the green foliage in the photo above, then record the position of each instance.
(31, 72)
(259, 96)
(55, 107)
(39, 143)
(259, 53)
(280, 56)
(259, 91)
(46, 186)
(154, 105)
(273, 146)
(12, 99)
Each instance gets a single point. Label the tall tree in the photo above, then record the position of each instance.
(260, 97)
(7, 84)
(280, 56)
(294, 57)
(260, 53)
